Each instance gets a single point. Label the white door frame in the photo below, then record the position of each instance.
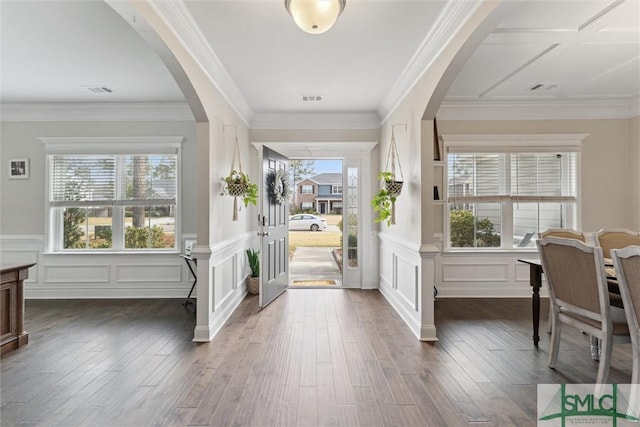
(353, 154)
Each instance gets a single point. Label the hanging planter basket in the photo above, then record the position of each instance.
(237, 189)
(384, 203)
(393, 187)
(237, 183)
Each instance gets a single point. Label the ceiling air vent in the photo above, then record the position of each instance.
(311, 98)
(97, 89)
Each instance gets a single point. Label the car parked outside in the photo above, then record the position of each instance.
(307, 222)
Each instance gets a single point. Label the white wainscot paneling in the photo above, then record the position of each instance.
(227, 267)
(224, 281)
(144, 273)
(79, 273)
(112, 275)
(477, 272)
(407, 282)
(475, 275)
(399, 278)
(386, 266)
(522, 272)
(22, 250)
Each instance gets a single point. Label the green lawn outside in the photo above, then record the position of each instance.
(331, 218)
(314, 239)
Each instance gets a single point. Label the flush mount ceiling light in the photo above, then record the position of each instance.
(315, 16)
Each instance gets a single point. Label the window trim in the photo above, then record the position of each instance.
(153, 145)
(302, 188)
(509, 143)
(333, 186)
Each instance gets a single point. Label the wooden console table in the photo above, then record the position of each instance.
(12, 333)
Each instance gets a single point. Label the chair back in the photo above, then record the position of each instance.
(575, 275)
(616, 239)
(565, 233)
(627, 265)
(626, 261)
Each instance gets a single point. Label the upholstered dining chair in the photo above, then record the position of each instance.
(566, 233)
(615, 238)
(627, 265)
(579, 296)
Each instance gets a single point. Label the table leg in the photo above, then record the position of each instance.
(195, 280)
(535, 277)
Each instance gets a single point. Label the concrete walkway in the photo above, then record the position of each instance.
(314, 264)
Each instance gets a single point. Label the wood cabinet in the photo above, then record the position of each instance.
(12, 333)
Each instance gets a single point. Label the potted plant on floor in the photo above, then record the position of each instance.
(253, 280)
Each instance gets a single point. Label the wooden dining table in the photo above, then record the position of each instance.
(535, 281)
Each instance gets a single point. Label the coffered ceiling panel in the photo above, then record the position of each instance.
(566, 50)
(490, 65)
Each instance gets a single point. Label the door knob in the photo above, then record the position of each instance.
(263, 234)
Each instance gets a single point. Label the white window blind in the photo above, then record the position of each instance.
(543, 176)
(498, 177)
(83, 181)
(113, 180)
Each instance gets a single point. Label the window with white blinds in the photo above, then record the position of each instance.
(503, 199)
(113, 202)
(496, 177)
(105, 180)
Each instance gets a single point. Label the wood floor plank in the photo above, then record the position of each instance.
(348, 416)
(313, 356)
(309, 355)
(287, 415)
(327, 408)
(307, 407)
(368, 409)
(344, 390)
(228, 407)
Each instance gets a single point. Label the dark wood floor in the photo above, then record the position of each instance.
(313, 357)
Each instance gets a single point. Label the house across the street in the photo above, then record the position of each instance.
(321, 193)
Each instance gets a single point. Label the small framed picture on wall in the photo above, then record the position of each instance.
(19, 168)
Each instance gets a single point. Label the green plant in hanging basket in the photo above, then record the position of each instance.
(239, 185)
(385, 198)
(393, 186)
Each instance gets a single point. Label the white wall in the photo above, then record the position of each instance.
(23, 215)
(605, 168)
(414, 207)
(23, 201)
(608, 182)
(218, 236)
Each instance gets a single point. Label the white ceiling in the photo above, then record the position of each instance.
(580, 51)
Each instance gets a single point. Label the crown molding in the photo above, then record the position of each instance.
(449, 110)
(316, 121)
(539, 110)
(451, 18)
(97, 112)
(177, 17)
